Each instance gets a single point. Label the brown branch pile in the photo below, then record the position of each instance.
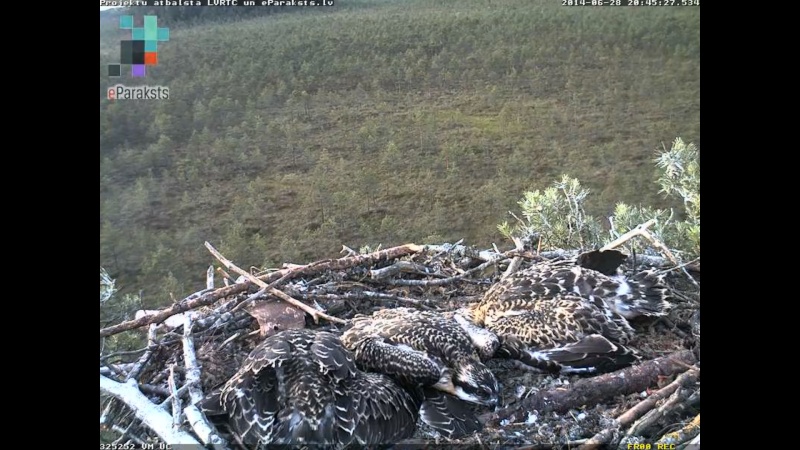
(200, 341)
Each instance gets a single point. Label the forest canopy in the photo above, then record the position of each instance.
(288, 135)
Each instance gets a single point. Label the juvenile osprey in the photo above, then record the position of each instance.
(566, 313)
(303, 387)
(430, 350)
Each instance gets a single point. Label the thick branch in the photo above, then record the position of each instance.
(182, 306)
(591, 391)
(629, 416)
(150, 414)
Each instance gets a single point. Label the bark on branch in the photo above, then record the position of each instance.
(150, 414)
(591, 391)
(315, 314)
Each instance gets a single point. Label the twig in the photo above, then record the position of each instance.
(142, 361)
(113, 368)
(182, 306)
(125, 433)
(694, 444)
(210, 277)
(367, 295)
(398, 267)
(462, 250)
(124, 353)
(152, 389)
(590, 391)
(449, 280)
(196, 419)
(684, 379)
(663, 248)
(250, 298)
(637, 231)
(315, 314)
(190, 362)
(689, 431)
(168, 400)
(176, 400)
(655, 415)
(629, 416)
(150, 414)
(106, 411)
(207, 434)
(515, 261)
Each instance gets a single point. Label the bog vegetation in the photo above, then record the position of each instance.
(288, 135)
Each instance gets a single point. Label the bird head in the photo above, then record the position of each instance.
(473, 382)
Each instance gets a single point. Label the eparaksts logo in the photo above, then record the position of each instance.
(121, 92)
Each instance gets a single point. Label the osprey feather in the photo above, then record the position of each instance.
(303, 387)
(429, 350)
(570, 313)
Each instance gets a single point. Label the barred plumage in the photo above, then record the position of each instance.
(560, 310)
(301, 387)
(430, 350)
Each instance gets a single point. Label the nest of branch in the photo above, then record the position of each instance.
(211, 332)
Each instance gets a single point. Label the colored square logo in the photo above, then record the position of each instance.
(114, 70)
(141, 49)
(150, 58)
(125, 22)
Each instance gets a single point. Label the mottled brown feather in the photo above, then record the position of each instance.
(303, 387)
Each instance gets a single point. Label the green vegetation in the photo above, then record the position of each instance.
(115, 308)
(289, 135)
(558, 218)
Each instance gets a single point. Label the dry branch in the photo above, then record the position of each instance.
(673, 402)
(691, 430)
(591, 391)
(180, 307)
(315, 314)
(399, 267)
(515, 261)
(208, 298)
(150, 414)
(210, 277)
(142, 361)
(176, 399)
(449, 280)
(638, 231)
(366, 295)
(190, 361)
(629, 416)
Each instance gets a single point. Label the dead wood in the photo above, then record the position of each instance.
(591, 391)
(686, 433)
(209, 298)
(158, 420)
(197, 420)
(174, 373)
(315, 314)
(367, 295)
(400, 267)
(180, 307)
(674, 402)
(685, 379)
